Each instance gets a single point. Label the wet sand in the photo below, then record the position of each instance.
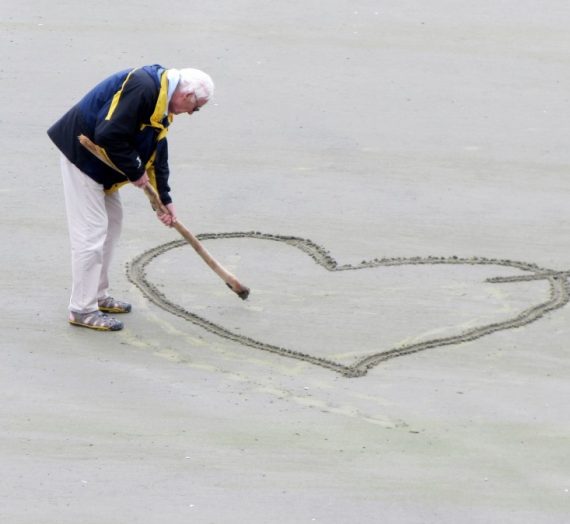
(390, 180)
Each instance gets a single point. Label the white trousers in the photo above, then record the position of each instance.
(94, 219)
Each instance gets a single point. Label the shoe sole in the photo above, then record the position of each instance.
(98, 328)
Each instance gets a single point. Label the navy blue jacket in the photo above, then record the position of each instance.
(125, 116)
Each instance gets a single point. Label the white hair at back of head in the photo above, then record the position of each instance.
(197, 82)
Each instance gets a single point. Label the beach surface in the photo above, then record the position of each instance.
(391, 180)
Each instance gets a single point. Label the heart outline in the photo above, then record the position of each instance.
(559, 297)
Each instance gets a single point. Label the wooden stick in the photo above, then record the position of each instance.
(230, 280)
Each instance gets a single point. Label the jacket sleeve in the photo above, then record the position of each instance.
(116, 132)
(162, 171)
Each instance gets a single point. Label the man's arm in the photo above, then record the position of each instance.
(162, 172)
(116, 133)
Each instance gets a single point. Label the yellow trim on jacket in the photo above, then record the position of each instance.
(117, 97)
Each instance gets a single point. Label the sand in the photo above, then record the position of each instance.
(391, 181)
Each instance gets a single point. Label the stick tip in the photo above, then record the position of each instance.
(241, 291)
(244, 293)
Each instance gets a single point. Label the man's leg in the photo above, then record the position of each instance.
(87, 221)
(115, 217)
(114, 210)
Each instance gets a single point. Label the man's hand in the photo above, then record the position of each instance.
(142, 181)
(168, 219)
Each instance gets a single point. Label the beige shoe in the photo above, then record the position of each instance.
(110, 305)
(95, 320)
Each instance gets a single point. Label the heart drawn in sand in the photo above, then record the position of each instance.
(389, 291)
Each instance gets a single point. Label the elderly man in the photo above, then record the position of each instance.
(127, 116)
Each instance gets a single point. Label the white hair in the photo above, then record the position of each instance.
(197, 82)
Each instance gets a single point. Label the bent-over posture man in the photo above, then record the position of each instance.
(127, 116)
